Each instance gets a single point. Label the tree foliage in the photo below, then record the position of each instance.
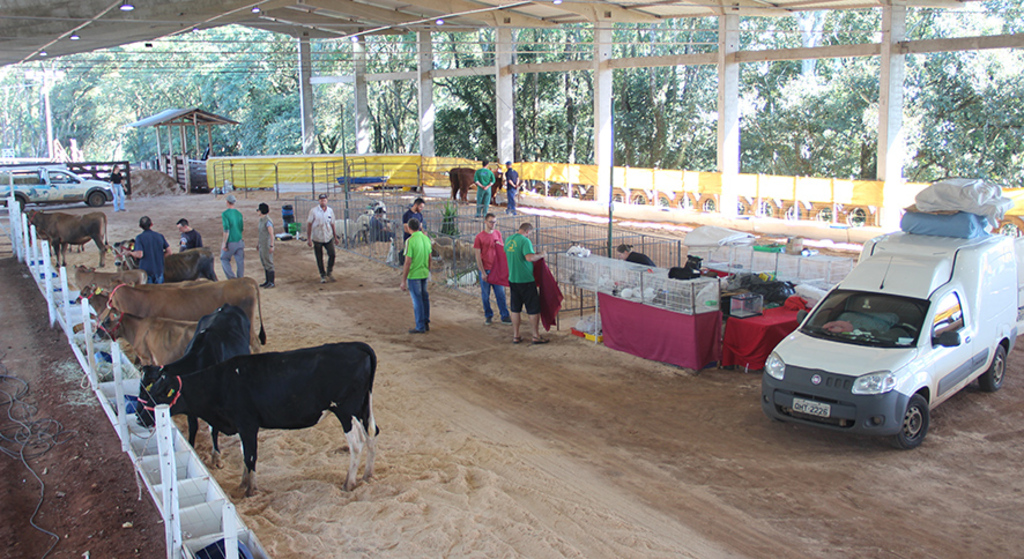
(963, 113)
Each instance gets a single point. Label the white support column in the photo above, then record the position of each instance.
(728, 111)
(229, 525)
(66, 303)
(426, 93)
(891, 141)
(90, 352)
(168, 481)
(119, 401)
(503, 93)
(306, 97)
(47, 270)
(603, 132)
(362, 103)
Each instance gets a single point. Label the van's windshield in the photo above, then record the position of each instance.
(871, 319)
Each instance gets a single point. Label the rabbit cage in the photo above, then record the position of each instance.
(639, 283)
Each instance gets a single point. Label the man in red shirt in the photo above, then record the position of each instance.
(488, 246)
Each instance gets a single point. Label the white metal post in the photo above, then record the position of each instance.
(168, 481)
(230, 527)
(89, 350)
(119, 402)
(48, 285)
(33, 251)
(25, 255)
(65, 301)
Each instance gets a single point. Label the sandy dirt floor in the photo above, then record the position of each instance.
(490, 449)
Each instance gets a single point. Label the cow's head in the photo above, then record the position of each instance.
(144, 410)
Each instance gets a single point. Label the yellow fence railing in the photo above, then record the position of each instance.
(797, 197)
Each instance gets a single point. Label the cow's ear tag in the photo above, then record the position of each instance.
(149, 387)
(98, 290)
(170, 393)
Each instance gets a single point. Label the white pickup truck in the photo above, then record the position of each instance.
(52, 185)
(918, 319)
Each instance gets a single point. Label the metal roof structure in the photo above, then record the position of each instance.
(30, 28)
(182, 117)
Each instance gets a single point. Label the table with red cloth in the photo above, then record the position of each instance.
(749, 341)
(686, 340)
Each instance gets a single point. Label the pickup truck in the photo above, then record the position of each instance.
(52, 185)
(918, 319)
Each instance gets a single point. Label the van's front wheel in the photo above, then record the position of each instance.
(992, 379)
(915, 424)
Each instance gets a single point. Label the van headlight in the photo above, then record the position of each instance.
(875, 383)
(775, 367)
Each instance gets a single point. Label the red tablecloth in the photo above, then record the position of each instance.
(687, 340)
(749, 341)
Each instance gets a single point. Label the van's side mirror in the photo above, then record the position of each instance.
(947, 339)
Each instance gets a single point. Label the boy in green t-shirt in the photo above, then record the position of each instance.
(232, 245)
(415, 273)
(521, 256)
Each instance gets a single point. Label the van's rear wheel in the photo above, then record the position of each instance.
(992, 379)
(96, 199)
(915, 424)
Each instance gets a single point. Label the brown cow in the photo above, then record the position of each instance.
(191, 264)
(189, 302)
(86, 276)
(63, 229)
(461, 178)
(156, 341)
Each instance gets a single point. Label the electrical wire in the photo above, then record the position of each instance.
(26, 439)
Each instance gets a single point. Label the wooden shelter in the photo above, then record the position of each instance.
(181, 118)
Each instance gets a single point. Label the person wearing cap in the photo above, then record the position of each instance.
(321, 235)
(190, 238)
(150, 249)
(380, 229)
(232, 246)
(511, 188)
(483, 179)
(416, 211)
(266, 244)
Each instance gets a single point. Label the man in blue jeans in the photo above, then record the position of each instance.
(415, 273)
(487, 245)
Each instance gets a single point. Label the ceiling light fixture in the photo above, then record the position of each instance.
(255, 9)
(42, 53)
(126, 6)
(439, 22)
(556, 2)
(355, 38)
(74, 37)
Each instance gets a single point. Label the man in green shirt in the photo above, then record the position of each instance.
(483, 179)
(521, 256)
(415, 273)
(232, 245)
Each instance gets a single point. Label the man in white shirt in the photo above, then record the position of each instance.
(321, 235)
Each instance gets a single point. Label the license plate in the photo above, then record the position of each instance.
(811, 408)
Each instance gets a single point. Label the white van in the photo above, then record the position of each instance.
(917, 319)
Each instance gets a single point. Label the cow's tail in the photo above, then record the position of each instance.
(259, 308)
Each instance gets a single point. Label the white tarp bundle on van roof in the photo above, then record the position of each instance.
(976, 196)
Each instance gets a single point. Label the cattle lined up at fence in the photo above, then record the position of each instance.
(64, 230)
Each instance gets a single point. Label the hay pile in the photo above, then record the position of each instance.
(147, 183)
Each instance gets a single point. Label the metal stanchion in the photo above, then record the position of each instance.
(169, 481)
(48, 284)
(89, 350)
(230, 527)
(119, 401)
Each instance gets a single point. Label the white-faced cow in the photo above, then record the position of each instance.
(190, 301)
(286, 390)
(192, 264)
(63, 229)
(217, 337)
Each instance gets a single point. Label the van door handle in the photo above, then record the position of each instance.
(967, 339)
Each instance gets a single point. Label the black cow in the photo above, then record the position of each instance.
(219, 336)
(285, 390)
